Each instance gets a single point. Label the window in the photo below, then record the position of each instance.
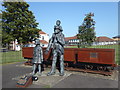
(39, 36)
(42, 37)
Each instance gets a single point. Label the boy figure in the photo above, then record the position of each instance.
(57, 42)
(37, 57)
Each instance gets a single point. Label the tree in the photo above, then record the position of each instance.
(86, 33)
(18, 22)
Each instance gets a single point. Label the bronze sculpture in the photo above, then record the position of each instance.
(57, 43)
(37, 57)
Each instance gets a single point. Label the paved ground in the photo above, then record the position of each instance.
(12, 72)
(77, 81)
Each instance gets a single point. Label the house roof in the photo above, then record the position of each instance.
(41, 32)
(118, 36)
(103, 39)
(98, 39)
(69, 38)
(43, 42)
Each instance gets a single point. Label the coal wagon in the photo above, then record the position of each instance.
(81, 59)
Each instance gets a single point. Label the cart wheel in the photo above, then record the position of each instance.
(100, 68)
(90, 67)
(66, 64)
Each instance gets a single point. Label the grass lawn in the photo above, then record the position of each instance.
(11, 56)
(116, 47)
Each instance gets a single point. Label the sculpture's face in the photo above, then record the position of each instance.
(57, 30)
(58, 22)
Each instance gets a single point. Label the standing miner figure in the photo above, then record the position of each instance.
(37, 57)
(57, 43)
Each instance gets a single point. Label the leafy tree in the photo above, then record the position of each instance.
(0, 29)
(18, 22)
(86, 34)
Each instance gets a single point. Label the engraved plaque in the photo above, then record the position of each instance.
(93, 55)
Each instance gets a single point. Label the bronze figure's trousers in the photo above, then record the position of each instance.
(55, 55)
(34, 68)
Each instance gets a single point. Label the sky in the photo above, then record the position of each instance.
(71, 15)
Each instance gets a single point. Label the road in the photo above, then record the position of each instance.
(71, 80)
